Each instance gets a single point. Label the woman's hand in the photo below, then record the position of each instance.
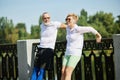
(98, 38)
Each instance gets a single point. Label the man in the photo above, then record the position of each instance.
(44, 57)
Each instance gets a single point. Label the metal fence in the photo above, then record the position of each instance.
(96, 62)
(8, 62)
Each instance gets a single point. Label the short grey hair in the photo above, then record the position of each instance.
(44, 13)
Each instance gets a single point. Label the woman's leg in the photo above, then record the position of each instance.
(63, 73)
(71, 64)
(68, 73)
(64, 67)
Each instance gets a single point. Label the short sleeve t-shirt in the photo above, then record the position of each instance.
(49, 34)
(75, 39)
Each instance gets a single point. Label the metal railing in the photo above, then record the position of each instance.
(8, 62)
(96, 61)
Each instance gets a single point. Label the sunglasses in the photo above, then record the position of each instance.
(67, 19)
(46, 18)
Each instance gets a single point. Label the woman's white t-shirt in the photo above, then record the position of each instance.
(75, 39)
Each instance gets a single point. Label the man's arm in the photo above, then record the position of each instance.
(63, 26)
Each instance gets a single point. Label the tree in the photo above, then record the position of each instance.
(21, 30)
(82, 21)
(40, 20)
(35, 31)
(2, 27)
(116, 26)
(103, 22)
(61, 36)
(7, 34)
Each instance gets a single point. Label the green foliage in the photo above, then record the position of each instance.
(7, 34)
(40, 20)
(21, 28)
(103, 22)
(116, 27)
(82, 18)
(35, 32)
(61, 36)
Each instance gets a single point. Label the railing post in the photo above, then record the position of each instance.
(24, 48)
(116, 42)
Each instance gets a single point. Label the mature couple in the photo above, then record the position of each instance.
(44, 57)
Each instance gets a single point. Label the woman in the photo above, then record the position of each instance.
(74, 45)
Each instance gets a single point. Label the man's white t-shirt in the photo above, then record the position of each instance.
(49, 34)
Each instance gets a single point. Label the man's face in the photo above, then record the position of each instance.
(46, 18)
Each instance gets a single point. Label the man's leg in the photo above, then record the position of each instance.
(35, 73)
(42, 71)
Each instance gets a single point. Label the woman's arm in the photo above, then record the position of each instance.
(91, 29)
(83, 30)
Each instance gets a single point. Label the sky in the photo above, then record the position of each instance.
(29, 11)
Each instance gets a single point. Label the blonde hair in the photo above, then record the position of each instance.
(74, 16)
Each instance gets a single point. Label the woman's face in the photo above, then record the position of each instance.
(46, 18)
(70, 21)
